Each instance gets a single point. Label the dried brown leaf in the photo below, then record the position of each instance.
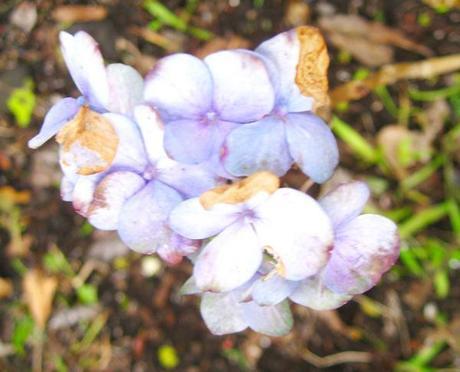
(390, 74)
(6, 288)
(79, 13)
(311, 76)
(241, 191)
(297, 13)
(354, 27)
(156, 38)
(92, 134)
(39, 292)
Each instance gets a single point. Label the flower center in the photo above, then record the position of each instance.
(210, 117)
(150, 172)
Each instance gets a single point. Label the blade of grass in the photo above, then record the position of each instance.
(382, 92)
(422, 219)
(357, 143)
(454, 215)
(165, 15)
(422, 174)
(433, 95)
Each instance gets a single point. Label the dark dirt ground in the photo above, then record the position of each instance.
(135, 313)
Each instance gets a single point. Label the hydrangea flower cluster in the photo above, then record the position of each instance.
(186, 163)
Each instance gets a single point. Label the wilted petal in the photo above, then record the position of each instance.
(256, 147)
(195, 141)
(193, 221)
(62, 112)
(345, 202)
(86, 66)
(229, 260)
(364, 249)
(180, 86)
(243, 91)
(130, 151)
(152, 130)
(312, 293)
(190, 179)
(110, 195)
(296, 231)
(143, 224)
(83, 193)
(222, 313)
(272, 290)
(126, 88)
(283, 51)
(312, 145)
(270, 320)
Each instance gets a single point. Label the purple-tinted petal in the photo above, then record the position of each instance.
(126, 88)
(345, 202)
(110, 195)
(243, 91)
(312, 293)
(152, 130)
(143, 219)
(229, 260)
(83, 193)
(86, 66)
(180, 86)
(173, 253)
(256, 147)
(272, 290)
(130, 151)
(364, 249)
(62, 112)
(190, 179)
(270, 320)
(194, 141)
(222, 313)
(193, 221)
(296, 231)
(283, 51)
(312, 145)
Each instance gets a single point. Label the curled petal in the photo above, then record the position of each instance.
(195, 141)
(180, 86)
(61, 113)
(312, 293)
(243, 91)
(86, 66)
(256, 147)
(221, 313)
(83, 193)
(110, 195)
(364, 249)
(283, 51)
(272, 290)
(345, 202)
(229, 260)
(126, 88)
(143, 224)
(296, 232)
(152, 130)
(312, 145)
(270, 320)
(193, 221)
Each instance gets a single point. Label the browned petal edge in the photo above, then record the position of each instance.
(311, 76)
(242, 190)
(94, 133)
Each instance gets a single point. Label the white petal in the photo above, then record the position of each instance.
(270, 320)
(229, 260)
(296, 231)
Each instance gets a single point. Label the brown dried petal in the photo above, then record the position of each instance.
(89, 142)
(241, 191)
(311, 77)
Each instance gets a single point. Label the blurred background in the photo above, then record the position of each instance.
(75, 299)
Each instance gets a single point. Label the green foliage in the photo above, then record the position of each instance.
(23, 329)
(21, 103)
(167, 356)
(87, 294)
(56, 263)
